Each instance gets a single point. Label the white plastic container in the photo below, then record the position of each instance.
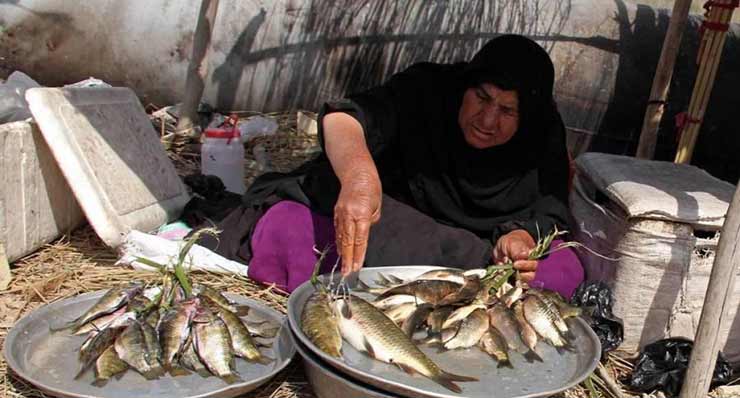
(222, 155)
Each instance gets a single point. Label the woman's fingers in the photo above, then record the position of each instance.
(362, 232)
(525, 265)
(347, 246)
(526, 276)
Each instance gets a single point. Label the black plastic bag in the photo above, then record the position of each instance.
(595, 299)
(662, 366)
(211, 201)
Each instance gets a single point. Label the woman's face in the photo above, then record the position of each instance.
(488, 115)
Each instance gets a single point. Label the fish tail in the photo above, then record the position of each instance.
(81, 372)
(175, 371)
(100, 382)
(532, 356)
(263, 360)
(447, 380)
(566, 347)
(232, 378)
(506, 363)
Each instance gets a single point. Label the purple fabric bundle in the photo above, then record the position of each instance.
(285, 237)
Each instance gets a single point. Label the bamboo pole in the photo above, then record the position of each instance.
(716, 303)
(709, 56)
(662, 80)
(195, 81)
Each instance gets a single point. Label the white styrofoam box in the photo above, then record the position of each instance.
(111, 157)
(36, 204)
(662, 222)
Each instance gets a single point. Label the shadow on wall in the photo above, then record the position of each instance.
(319, 44)
(640, 44)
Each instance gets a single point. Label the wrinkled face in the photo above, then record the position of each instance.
(488, 115)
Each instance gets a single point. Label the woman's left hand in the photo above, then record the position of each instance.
(515, 246)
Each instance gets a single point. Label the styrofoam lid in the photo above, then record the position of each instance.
(657, 189)
(111, 156)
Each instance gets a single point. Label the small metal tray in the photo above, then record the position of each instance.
(556, 373)
(49, 360)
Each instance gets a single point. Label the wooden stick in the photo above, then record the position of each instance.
(662, 80)
(197, 69)
(609, 382)
(712, 46)
(716, 303)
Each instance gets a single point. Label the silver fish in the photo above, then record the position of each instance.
(132, 349)
(471, 329)
(494, 344)
(368, 330)
(213, 345)
(503, 320)
(174, 328)
(538, 315)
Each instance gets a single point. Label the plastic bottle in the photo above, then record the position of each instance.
(222, 155)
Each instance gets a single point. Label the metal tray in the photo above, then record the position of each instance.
(328, 383)
(556, 373)
(49, 361)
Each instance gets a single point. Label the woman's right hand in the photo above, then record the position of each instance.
(357, 208)
(358, 205)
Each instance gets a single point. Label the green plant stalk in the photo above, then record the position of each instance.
(589, 383)
(316, 268)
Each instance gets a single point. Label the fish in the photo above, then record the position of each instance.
(368, 330)
(477, 272)
(538, 315)
(552, 312)
(241, 340)
(395, 300)
(448, 274)
(219, 299)
(410, 324)
(388, 280)
(265, 329)
(528, 334)
(100, 323)
(565, 309)
(189, 359)
(431, 291)
(470, 331)
(320, 324)
(460, 314)
(213, 345)
(399, 313)
(111, 301)
(153, 348)
(132, 349)
(465, 294)
(494, 344)
(94, 346)
(173, 330)
(436, 318)
(503, 320)
(512, 295)
(108, 365)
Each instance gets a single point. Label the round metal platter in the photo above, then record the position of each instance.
(557, 372)
(49, 360)
(327, 382)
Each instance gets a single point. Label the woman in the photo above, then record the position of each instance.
(445, 164)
